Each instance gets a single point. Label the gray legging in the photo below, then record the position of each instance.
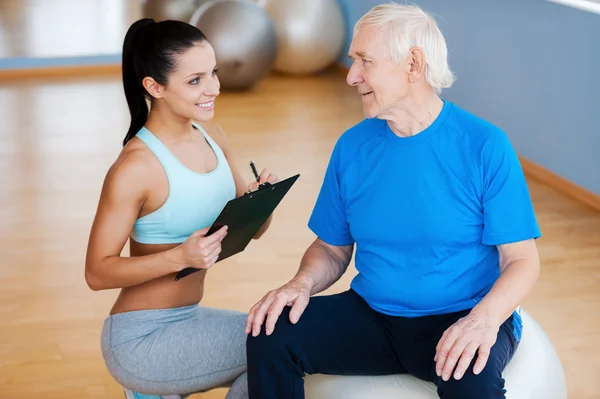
(177, 351)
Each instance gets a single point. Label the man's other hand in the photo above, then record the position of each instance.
(473, 334)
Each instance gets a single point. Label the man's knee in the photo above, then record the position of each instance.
(489, 384)
(262, 346)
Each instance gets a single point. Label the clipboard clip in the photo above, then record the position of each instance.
(260, 187)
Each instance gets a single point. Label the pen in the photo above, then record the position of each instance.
(254, 171)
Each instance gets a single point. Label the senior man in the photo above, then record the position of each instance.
(435, 201)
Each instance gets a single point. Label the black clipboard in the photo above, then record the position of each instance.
(244, 216)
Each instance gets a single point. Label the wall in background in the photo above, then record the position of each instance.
(531, 68)
(44, 34)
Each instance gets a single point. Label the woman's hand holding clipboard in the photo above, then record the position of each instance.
(243, 216)
(202, 250)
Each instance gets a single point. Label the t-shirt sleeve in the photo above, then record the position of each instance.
(328, 219)
(508, 213)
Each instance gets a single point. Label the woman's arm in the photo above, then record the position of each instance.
(123, 194)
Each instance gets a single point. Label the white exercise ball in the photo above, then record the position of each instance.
(535, 372)
(243, 37)
(310, 33)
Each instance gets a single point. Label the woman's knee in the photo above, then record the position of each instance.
(239, 388)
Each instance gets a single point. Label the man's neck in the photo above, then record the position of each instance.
(414, 116)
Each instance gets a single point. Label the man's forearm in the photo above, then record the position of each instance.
(514, 283)
(321, 266)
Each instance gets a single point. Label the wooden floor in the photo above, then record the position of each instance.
(57, 140)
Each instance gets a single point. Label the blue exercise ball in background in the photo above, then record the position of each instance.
(310, 33)
(243, 37)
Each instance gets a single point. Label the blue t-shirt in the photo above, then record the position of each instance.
(426, 212)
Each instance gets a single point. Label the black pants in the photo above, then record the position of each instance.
(340, 334)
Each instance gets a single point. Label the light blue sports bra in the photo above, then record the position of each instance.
(195, 199)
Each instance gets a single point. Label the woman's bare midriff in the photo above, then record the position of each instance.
(160, 293)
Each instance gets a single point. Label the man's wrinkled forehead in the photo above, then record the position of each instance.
(369, 42)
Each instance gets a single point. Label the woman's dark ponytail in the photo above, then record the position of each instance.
(151, 49)
(134, 91)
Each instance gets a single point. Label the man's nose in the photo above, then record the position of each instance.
(354, 76)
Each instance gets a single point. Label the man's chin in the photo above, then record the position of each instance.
(369, 113)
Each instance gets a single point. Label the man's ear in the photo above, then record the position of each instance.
(153, 87)
(417, 64)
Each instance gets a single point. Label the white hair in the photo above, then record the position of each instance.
(410, 26)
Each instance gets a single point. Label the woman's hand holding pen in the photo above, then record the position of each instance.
(266, 176)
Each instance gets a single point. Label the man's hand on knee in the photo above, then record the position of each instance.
(471, 335)
(296, 294)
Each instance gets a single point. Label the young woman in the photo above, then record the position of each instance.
(167, 186)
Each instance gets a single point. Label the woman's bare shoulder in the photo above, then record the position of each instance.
(133, 168)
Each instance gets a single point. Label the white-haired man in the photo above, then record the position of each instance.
(436, 202)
